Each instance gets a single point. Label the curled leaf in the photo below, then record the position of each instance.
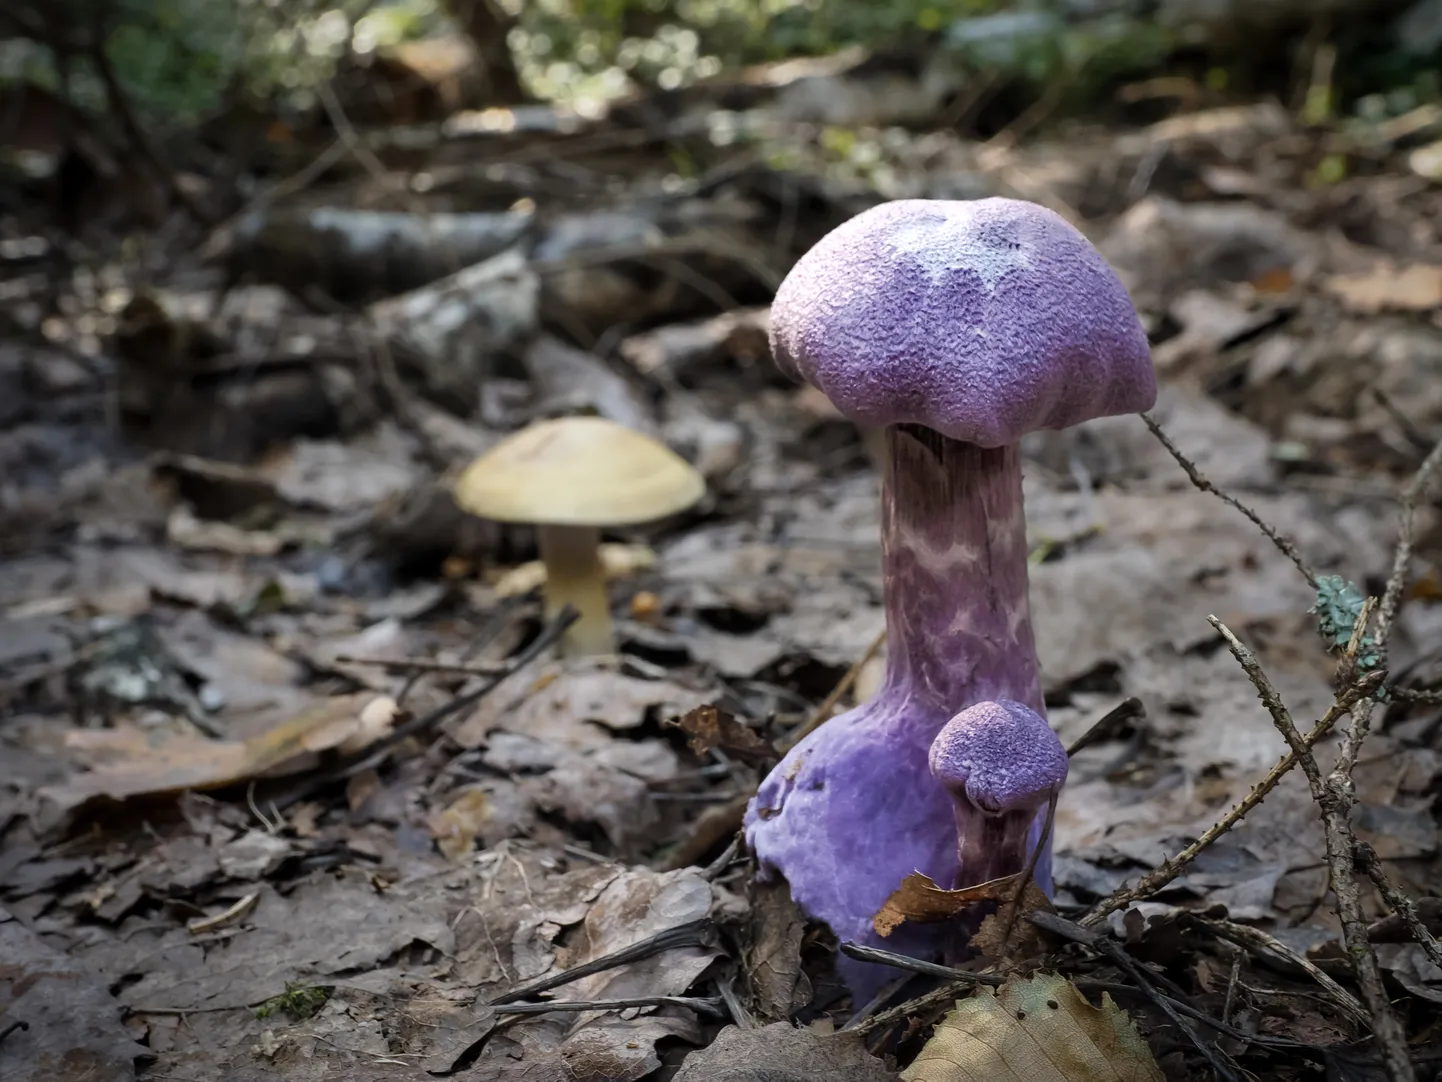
(920, 901)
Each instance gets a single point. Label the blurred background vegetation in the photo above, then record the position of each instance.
(180, 65)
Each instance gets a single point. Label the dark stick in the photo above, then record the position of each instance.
(714, 1006)
(696, 933)
(1398, 902)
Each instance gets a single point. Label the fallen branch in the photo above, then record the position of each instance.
(1113, 952)
(1333, 795)
(1244, 935)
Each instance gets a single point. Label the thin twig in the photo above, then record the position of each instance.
(1129, 709)
(1245, 935)
(960, 979)
(715, 1007)
(422, 665)
(1405, 424)
(1402, 557)
(823, 712)
(1334, 800)
(915, 965)
(1400, 904)
(1285, 546)
(1172, 867)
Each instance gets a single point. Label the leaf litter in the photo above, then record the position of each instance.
(246, 653)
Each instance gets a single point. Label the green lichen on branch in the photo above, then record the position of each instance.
(298, 1001)
(1338, 607)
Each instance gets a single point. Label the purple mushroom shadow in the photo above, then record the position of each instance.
(958, 327)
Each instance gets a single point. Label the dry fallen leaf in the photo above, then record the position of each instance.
(134, 762)
(1037, 1030)
(1417, 288)
(456, 826)
(708, 727)
(781, 1051)
(1007, 933)
(921, 901)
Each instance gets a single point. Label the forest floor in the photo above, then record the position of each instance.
(233, 572)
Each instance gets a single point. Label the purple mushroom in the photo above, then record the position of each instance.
(958, 327)
(1002, 765)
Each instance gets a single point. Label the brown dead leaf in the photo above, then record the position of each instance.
(636, 905)
(780, 1050)
(132, 762)
(456, 826)
(1037, 1030)
(1007, 933)
(921, 901)
(1387, 287)
(779, 987)
(573, 707)
(72, 1026)
(708, 727)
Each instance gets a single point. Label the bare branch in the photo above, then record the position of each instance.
(1285, 546)
(1333, 796)
(1159, 877)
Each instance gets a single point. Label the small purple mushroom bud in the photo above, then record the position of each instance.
(1002, 765)
(957, 327)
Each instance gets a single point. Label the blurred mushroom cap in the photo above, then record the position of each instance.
(578, 471)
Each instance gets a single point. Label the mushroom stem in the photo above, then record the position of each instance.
(574, 573)
(955, 564)
(993, 846)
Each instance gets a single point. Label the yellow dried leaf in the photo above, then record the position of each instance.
(1037, 1030)
(456, 826)
(1386, 287)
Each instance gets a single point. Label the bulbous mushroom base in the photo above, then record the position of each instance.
(849, 813)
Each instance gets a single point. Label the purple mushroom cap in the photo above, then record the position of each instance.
(983, 320)
(999, 756)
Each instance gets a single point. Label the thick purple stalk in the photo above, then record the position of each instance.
(852, 809)
(953, 544)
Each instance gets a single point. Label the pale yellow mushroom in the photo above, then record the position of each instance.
(569, 477)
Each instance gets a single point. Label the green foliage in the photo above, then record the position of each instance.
(1338, 607)
(298, 1001)
(179, 61)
